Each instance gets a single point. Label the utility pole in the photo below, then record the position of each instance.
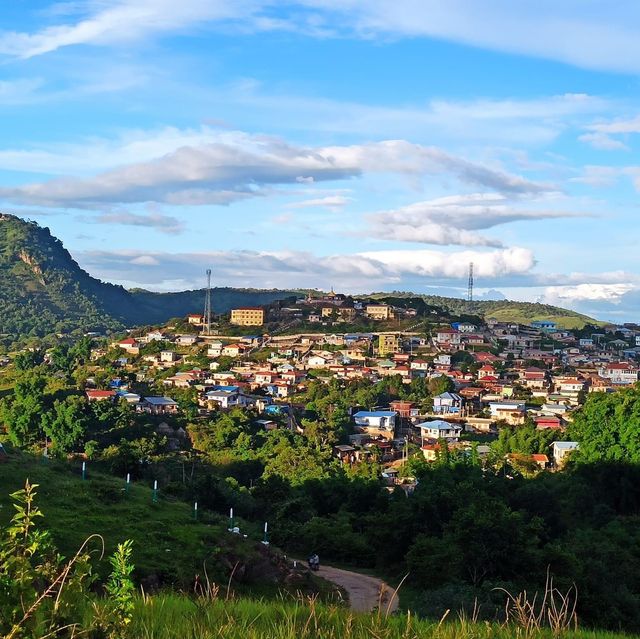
(207, 303)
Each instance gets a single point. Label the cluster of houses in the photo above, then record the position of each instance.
(325, 309)
(501, 374)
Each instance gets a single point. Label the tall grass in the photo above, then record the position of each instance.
(176, 617)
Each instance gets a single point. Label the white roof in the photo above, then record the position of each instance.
(440, 424)
(160, 401)
(566, 445)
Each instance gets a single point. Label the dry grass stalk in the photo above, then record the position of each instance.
(556, 611)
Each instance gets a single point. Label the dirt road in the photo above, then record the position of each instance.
(365, 592)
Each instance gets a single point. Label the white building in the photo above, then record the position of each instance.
(619, 373)
(561, 450)
(439, 429)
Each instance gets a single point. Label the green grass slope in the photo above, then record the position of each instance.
(170, 546)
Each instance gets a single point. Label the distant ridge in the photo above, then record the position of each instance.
(44, 290)
(501, 310)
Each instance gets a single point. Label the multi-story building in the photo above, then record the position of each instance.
(388, 343)
(619, 373)
(379, 311)
(247, 316)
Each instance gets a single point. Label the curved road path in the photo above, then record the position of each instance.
(365, 592)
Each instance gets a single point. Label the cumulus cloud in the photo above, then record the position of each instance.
(455, 219)
(587, 291)
(237, 165)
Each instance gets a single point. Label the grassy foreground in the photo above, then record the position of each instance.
(169, 545)
(176, 617)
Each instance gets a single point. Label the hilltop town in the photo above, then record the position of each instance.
(491, 375)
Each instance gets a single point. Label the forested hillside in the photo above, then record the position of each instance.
(44, 290)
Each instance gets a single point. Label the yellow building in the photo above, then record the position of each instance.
(248, 316)
(388, 343)
(379, 311)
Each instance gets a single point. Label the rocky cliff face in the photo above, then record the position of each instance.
(32, 263)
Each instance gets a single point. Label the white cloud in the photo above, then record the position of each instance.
(517, 121)
(157, 221)
(599, 176)
(122, 21)
(602, 141)
(145, 260)
(597, 35)
(455, 219)
(601, 134)
(427, 263)
(334, 203)
(592, 291)
(629, 125)
(233, 165)
(363, 271)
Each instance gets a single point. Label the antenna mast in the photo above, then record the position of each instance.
(470, 289)
(207, 303)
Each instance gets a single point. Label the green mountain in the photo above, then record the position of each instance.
(43, 289)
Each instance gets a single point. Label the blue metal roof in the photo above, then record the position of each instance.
(376, 413)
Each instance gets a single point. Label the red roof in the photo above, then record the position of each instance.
(620, 366)
(128, 341)
(485, 357)
(100, 393)
(540, 458)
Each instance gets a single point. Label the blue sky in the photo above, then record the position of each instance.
(361, 145)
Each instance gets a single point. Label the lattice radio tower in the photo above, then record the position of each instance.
(207, 303)
(470, 288)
